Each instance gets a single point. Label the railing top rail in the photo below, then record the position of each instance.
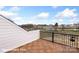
(60, 33)
(67, 34)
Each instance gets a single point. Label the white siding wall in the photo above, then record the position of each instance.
(12, 36)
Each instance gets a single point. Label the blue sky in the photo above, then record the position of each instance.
(41, 14)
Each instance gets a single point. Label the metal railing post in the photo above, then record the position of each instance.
(52, 36)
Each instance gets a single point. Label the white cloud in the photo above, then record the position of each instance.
(39, 18)
(43, 15)
(8, 14)
(67, 13)
(30, 22)
(12, 15)
(59, 21)
(19, 20)
(65, 16)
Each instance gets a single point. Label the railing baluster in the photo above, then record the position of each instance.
(67, 39)
(77, 42)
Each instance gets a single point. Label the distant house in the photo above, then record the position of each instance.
(44, 27)
(69, 26)
(76, 26)
(50, 27)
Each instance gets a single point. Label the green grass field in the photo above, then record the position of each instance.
(69, 32)
(49, 33)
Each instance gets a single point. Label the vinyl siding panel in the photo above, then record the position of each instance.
(12, 36)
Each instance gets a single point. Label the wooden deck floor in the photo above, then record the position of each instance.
(43, 46)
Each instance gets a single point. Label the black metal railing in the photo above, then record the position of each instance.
(66, 39)
(46, 35)
(62, 38)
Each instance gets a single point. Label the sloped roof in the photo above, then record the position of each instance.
(7, 19)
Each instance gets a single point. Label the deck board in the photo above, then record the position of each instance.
(44, 46)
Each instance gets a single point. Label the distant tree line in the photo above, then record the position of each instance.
(27, 26)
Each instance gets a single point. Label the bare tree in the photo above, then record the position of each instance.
(63, 27)
(28, 26)
(56, 26)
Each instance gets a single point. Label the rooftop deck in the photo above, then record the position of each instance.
(43, 46)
